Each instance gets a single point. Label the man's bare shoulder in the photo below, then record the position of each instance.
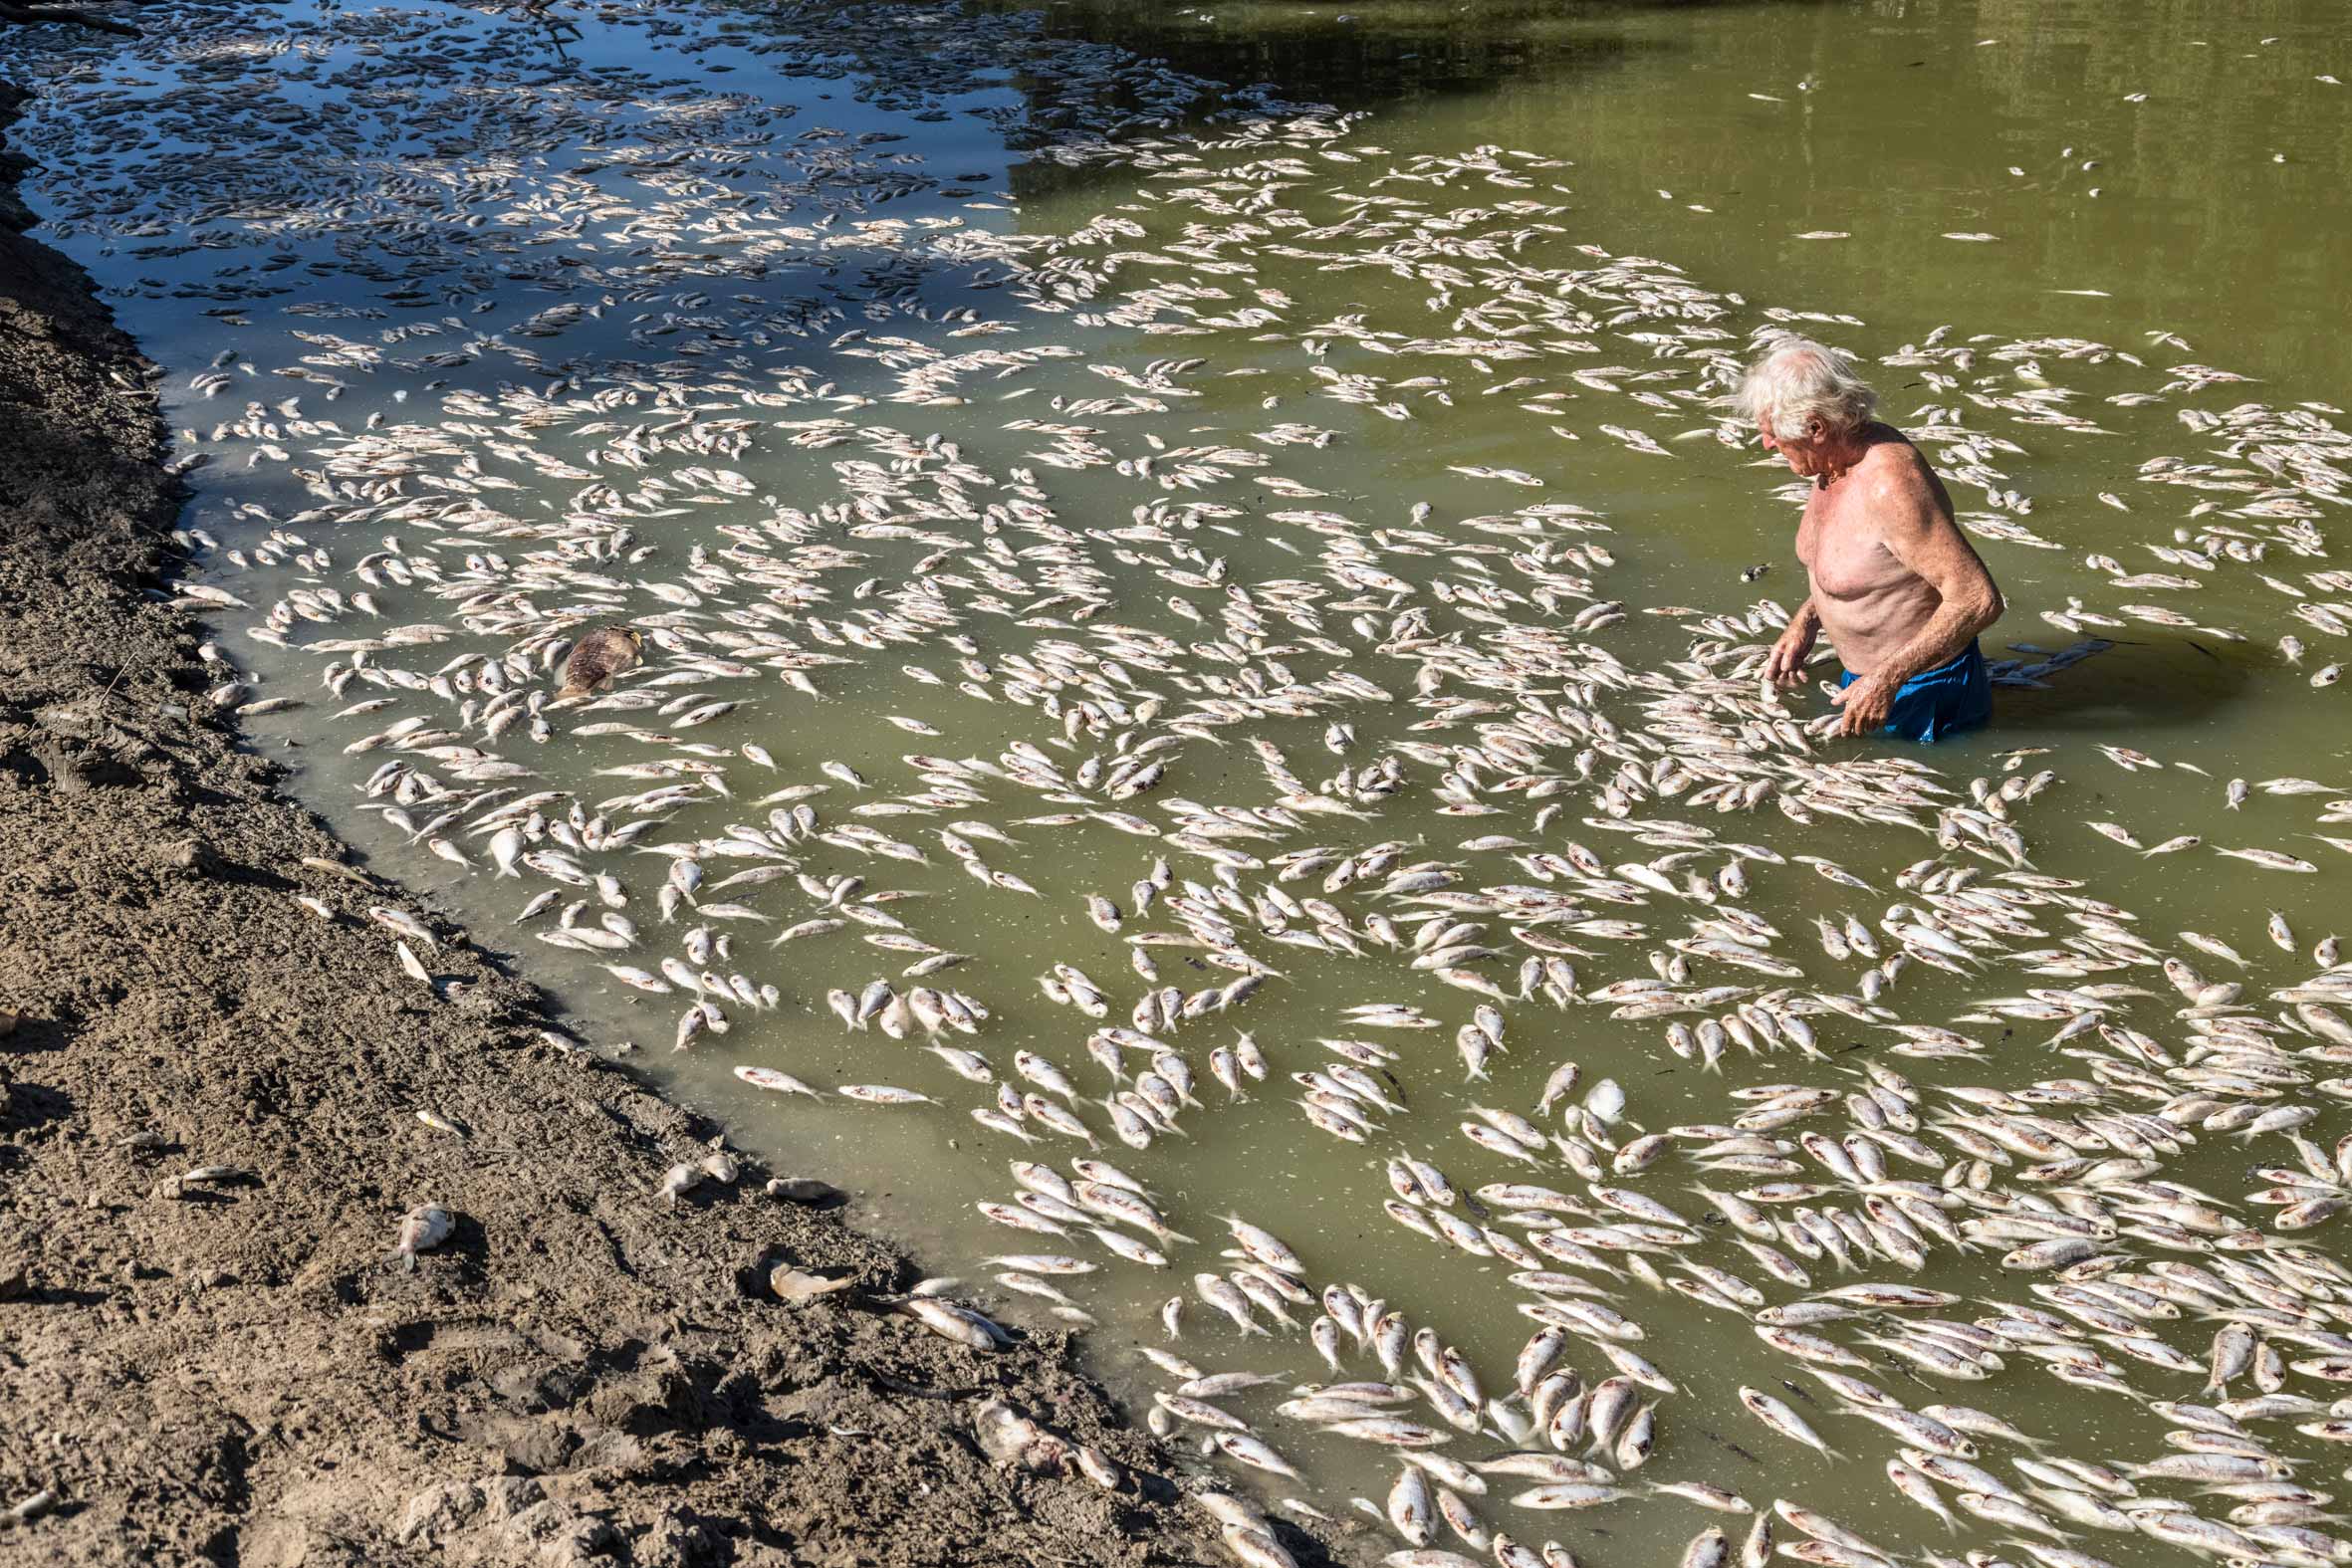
(1890, 456)
(1896, 477)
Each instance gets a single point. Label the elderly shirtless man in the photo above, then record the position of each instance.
(1894, 582)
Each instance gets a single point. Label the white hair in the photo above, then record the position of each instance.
(1800, 380)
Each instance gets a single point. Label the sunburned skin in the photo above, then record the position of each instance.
(1895, 584)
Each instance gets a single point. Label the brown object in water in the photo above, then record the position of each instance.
(597, 657)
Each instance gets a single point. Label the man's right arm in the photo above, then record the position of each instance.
(1786, 666)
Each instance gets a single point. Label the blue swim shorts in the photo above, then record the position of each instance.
(1942, 701)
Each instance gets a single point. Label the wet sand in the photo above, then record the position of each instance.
(229, 1367)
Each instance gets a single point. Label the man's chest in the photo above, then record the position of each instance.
(1841, 549)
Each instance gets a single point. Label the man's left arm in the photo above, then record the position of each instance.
(1918, 529)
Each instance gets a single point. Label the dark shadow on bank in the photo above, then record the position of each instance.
(1347, 55)
(1352, 57)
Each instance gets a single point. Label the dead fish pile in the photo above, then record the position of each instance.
(587, 651)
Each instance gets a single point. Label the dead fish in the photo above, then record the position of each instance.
(421, 1229)
(882, 1095)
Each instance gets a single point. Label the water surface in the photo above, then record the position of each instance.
(766, 220)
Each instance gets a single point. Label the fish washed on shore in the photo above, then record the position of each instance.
(667, 421)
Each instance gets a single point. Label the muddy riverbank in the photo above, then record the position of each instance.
(226, 1365)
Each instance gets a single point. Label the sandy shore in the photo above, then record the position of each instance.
(228, 1367)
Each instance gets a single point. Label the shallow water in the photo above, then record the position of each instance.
(729, 251)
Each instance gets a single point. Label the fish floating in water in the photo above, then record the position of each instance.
(1224, 738)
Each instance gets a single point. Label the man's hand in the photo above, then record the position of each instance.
(1866, 703)
(1786, 666)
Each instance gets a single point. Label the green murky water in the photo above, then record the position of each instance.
(2171, 173)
